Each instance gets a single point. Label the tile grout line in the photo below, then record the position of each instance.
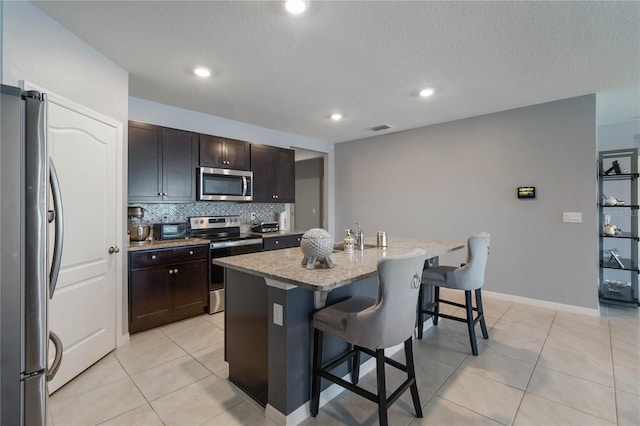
(534, 367)
(560, 372)
(613, 371)
(457, 368)
(139, 390)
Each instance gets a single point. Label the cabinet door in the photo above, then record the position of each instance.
(190, 289)
(285, 176)
(145, 162)
(149, 298)
(237, 154)
(180, 159)
(211, 151)
(262, 166)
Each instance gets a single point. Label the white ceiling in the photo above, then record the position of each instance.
(367, 60)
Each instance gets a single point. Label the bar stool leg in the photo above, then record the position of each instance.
(470, 324)
(411, 373)
(420, 310)
(483, 325)
(355, 366)
(316, 379)
(382, 388)
(436, 299)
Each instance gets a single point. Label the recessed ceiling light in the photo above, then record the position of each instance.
(202, 72)
(295, 6)
(427, 92)
(336, 116)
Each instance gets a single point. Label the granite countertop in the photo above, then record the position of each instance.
(285, 265)
(159, 244)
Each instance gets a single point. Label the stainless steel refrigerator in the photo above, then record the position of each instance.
(30, 200)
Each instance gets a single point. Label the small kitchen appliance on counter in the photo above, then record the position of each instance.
(266, 227)
(226, 240)
(171, 231)
(138, 230)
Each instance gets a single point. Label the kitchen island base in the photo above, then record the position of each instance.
(270, 301)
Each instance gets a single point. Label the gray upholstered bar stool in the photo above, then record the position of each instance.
(370, 325)
(468, 277)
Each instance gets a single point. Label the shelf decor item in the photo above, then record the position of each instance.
(619, 266)
(615, 167)
(615, 258)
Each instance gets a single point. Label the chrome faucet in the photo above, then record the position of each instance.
(359, 237)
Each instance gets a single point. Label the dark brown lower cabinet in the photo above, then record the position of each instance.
(167, 285)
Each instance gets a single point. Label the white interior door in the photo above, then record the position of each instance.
(82, 312)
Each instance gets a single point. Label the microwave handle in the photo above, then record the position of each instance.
(244, 185)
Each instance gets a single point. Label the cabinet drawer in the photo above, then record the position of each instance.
(150, 258)
(285, 241)
(185, 254)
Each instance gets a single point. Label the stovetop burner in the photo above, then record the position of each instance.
(222, 231)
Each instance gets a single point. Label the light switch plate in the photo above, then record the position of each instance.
(572, 217)
(277, 314)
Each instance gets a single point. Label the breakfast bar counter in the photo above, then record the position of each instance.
(270, 299)
(285, 265)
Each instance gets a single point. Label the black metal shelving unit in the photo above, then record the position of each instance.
(618, 177)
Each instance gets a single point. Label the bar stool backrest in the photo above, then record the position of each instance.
(471, 275)
(391, 320)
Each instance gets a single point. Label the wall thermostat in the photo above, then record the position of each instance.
(526, 192)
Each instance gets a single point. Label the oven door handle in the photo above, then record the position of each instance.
(226, 244)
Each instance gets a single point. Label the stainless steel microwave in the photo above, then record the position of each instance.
(224, 184)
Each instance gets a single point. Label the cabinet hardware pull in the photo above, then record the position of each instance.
(175, 271)
(170, 271)
(153, 257)
(191, 252)
(113, 250)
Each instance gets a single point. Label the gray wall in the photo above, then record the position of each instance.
(451, 180)
(50, 56)
(309, 179)
(40, 50)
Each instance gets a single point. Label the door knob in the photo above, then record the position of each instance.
(113, 250)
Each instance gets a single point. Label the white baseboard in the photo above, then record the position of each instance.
(543, 303)
(122, 340)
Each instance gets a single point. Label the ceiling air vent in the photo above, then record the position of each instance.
(381, 127)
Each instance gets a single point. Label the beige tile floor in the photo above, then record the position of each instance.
(539, 367)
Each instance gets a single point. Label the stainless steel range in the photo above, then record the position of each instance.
(226, 240)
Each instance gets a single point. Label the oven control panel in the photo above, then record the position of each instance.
(213, 222)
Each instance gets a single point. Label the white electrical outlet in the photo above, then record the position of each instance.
(253, 216)
(278, 316)
(572, 217)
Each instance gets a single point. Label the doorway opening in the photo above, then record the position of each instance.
(310, 208)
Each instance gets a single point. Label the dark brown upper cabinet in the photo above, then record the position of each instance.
(224, 153)
(162, 164)
(273, 174)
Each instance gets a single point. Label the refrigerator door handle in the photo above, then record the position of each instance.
(57, 360)
(59, 228)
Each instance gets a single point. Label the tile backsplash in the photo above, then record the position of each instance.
(157, 213)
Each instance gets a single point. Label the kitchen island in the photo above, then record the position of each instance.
(270, 300)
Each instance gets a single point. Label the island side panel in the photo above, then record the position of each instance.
(290, 345)
(246, 331)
